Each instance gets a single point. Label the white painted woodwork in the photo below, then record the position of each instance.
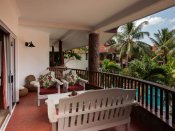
(40, 97)
(92, 110)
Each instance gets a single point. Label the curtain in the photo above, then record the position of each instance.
(3, 89)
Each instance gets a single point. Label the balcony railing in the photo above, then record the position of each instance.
(156, 98)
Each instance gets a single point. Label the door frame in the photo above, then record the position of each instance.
(7, 30)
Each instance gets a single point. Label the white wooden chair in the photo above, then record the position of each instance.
(93, 110)
(80, 83)
(42, 93)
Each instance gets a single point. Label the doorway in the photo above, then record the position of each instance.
(7, 74)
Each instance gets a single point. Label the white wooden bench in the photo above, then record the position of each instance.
(93, 110)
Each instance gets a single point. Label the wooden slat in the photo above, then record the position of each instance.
(138, 98)
(161, 102)
(128, 83)
(173, 108)
(119, 82)
(146, 95)
(167, 104)
(122, 82)
(151, 97)
(142, 93)
(156, 99)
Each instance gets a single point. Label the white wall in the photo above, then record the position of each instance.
(32, 60)
(29, 60)
(78, 64)
(9, 15)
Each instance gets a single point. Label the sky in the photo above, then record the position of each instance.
(157, 21)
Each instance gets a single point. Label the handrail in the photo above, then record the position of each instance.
(157, 97)
(165, 87)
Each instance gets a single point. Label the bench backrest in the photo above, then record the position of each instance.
(95, 108)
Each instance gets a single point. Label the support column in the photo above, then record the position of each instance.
(61, 53)
(93, 62)
(52, 61)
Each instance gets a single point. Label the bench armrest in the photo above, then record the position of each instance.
(58, 81)
(82, 80)
(64, 81)
(65, 85)
(51, 109)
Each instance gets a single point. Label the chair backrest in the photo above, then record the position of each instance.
(58, 72)
(95, 108)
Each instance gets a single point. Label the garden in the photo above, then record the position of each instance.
(138, 59)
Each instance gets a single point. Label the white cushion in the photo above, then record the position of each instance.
(53, 74)
(21, 87)
(35, 83)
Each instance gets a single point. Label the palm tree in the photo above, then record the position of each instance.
(129, 44)
(165, 42)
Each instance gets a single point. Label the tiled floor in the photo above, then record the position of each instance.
(29, 117)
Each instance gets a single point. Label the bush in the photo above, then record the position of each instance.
(110, 66)
(147, 69)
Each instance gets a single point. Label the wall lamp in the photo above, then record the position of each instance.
(29, 44)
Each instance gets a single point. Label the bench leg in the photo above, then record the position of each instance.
(127, 126)
(54, 126)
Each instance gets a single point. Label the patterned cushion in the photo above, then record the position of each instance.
(71, 77)
(47, 80)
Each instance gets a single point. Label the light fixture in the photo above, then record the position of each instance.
(29, 44)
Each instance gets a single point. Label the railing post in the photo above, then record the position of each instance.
(173, 108)
(151, 97)
(143, 93)
(156, 99)
(138, 91)
(161, 103)
(146, 95)
(167, 104)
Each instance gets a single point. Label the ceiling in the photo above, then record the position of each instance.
(72, 20)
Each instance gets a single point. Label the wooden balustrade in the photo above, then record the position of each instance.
(158, 99)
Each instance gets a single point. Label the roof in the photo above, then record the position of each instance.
(105, 49)
(72, 20)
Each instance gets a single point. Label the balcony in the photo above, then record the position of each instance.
(67, 25)
(154, 110)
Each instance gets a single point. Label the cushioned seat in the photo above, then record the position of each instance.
(46, 91)
(48, 84)
(76, 87)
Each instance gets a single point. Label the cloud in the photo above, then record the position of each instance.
(153, 20)
(173, 27)
(172, 20)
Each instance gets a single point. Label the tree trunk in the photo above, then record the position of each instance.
(127, 59)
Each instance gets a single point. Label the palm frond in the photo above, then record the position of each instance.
(155, 42)
(140, 35)
(140, 26)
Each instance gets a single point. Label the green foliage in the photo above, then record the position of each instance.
(110, 66)
(170, 68)
(147, 69)
(164, 40)
(71, 54)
